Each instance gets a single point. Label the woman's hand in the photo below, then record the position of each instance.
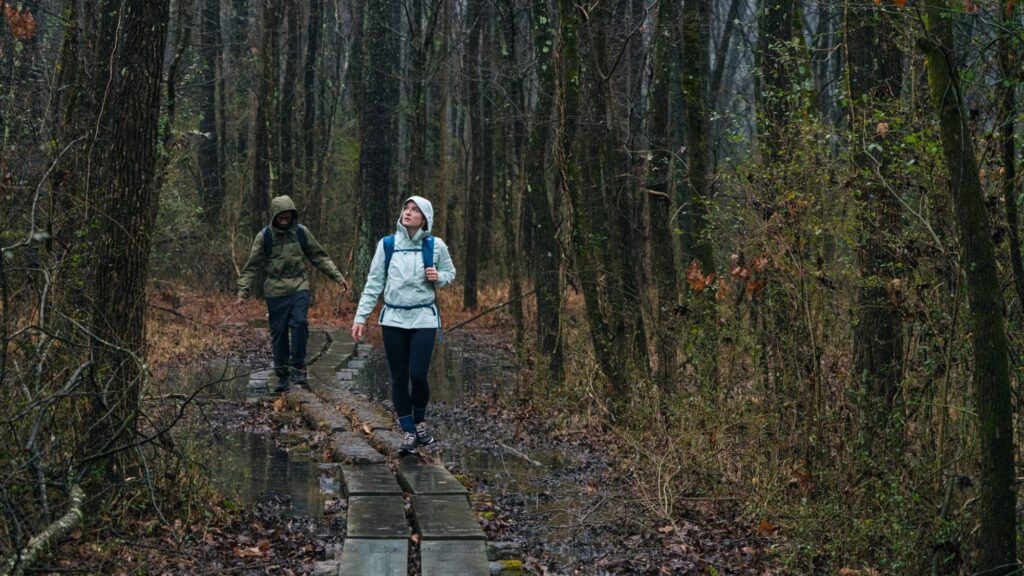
(432, 274)
(357, 332)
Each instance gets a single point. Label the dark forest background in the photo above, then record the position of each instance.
(771, 247)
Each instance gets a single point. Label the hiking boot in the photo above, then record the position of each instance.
(408, 444)
(282, 386)
(298, 377)
(423, 435)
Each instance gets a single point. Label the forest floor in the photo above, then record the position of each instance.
(579, 516)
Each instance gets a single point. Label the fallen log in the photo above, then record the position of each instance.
(25, 557)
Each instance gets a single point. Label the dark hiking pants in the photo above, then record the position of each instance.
(288, 313)
(408, 352)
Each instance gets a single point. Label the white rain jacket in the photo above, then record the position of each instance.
(407, 283)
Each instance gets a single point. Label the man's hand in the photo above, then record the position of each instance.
(432, 274)
(357, 331)
(343, 283)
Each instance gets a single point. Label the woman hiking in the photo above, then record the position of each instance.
(407, 267)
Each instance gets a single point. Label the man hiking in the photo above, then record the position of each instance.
(280, 249)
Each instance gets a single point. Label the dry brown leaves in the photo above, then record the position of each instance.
(21, 23)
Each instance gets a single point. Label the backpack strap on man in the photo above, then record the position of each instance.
(268, 239)
(268, 242)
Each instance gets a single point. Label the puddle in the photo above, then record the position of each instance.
(463, 369)
(252, 468)
(247, 466)
(454, 373)
(227, 380)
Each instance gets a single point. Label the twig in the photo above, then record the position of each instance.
(193, 320)
(515, 452)
(488, 311)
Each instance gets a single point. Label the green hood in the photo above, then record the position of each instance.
(283, 204)
(284, 263)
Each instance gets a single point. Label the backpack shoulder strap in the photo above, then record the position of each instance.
(268, 242)
(389, 250)
(428, 251)
(300, 233)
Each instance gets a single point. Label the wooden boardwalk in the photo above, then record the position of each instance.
(389, 499)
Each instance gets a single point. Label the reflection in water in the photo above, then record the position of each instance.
(556, 501)
(453, 375)
(254, 469)
(456, 374)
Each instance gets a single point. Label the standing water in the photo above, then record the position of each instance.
(464, 368)
(254, 469)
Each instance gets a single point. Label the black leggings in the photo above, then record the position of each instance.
(408, 351)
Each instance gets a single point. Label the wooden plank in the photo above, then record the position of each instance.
(445, 518)
(377, 517)
(370, 480)
(453, 558)
(419, 478)
(362, 557)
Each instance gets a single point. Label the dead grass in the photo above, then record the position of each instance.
(184, 323)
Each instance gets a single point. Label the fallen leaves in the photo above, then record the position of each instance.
(766, 528)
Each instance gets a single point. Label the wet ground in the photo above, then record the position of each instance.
(552, 497)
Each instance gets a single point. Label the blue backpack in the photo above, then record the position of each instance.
(389, 250)
(427, 248)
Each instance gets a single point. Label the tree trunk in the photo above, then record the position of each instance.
(473, 70)
(722, 52)
(547, 253)
(128, 200)
(286, 112)
(210, 164)
(421, 42)
(776, 30)
(1010, 78)
(309, 136)
(660, 189)
(241, 47)
(183, 21)
(990, 375)
(514, 180)
(592, 225)
(441, 209)
(377, 125)
(265, 106)
(697, 239)
(489, 132)
(875, 65)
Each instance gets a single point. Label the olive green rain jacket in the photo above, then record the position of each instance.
(286, 270)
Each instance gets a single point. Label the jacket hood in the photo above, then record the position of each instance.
(283, 204)
(428, 212)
